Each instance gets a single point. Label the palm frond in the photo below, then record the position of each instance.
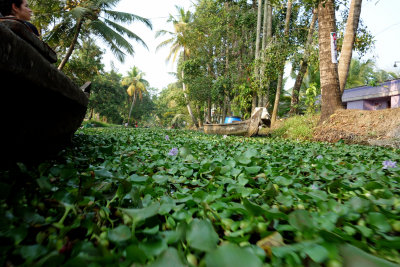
(123, 30)
(79, 12)
(61, 33)
(127, 17)
(109, 34)
(105, 3)
(109, 37)
(162, 33)
(165, 43)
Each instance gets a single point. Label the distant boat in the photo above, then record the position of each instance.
(41, 107)
(243, 128)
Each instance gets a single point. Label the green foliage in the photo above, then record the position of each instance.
(94, 123)
(136, 88)
(59, 20)
(85, 63)
(119, 195)
(365, 73)
(108, 97)
(169, 104)
(299, 127)
(311, 99)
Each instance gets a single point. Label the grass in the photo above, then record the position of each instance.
(299, 127)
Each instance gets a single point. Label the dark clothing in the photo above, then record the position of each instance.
(32, 27)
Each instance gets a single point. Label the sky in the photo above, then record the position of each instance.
(382, 17)
(151, 62)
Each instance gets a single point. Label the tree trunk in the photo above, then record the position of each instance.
(330, 90)
(130, 111)
(188, 105)
(261, 92)
(303, 67)
(348, 42)
(200, 120)
(280, 77)
(91, 113)
(257, 54)
(187, 98)
(72, 46)
(209, 119)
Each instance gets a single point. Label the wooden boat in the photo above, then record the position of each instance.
(41, 107)
(244, 128)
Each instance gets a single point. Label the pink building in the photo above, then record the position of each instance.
(384, 95)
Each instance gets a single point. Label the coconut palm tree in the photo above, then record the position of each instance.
(330, 89)
(95, 17)
(348, 42)
(178, 45)
(136, 86)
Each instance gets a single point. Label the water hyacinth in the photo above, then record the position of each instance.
(167, 137)
(225, 136)
(173, 152)
(389, 164)
(319, 157)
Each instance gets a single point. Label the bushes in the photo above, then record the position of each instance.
(299, 127)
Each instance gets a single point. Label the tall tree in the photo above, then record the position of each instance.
(303, 66)
(136, 86)
(330, 90)
(108, 97)
(96, 18)
(178, 43)
(266, 37)
(85, 63)
(280, 77)
(257, 54)
(348, 42)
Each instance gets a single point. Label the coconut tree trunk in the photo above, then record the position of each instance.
(200, 120)
(330, 90)
(188, 105)
(257, 54)
(303, 67)
(280, 77)
(209, 119)
(187, 97)
(261, 92)
(130, 110)
(348, 42)
(91, 113)
(72, 46)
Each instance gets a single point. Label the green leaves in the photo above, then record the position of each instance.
(136, 205)
(232, 255)
(119, 234)
(379, 221)
(201, 235)
(301, 220)
(139, 215)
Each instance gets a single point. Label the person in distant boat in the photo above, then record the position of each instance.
(18, 9)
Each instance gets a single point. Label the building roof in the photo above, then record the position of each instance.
(385, 89)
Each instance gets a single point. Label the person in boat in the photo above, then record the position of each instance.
(18, 9)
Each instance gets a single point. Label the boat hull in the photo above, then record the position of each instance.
(41, 107)
(243, 128)
(234, 128)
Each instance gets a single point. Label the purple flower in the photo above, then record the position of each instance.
(389, 164)
(225, 136)
(173, 152)
(314, 187)
(319, 157)
(167, 137)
